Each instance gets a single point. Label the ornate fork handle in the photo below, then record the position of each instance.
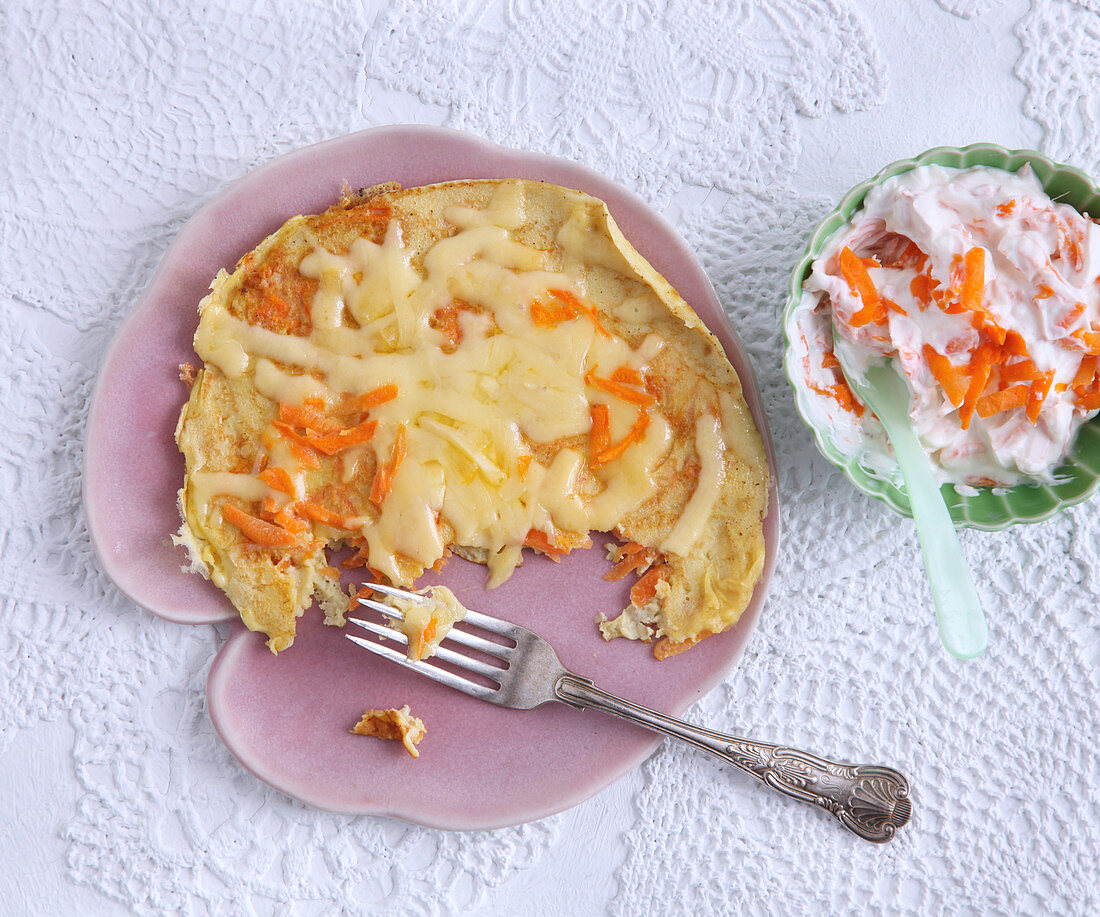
(868, 799)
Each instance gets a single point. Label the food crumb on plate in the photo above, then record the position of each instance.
(393, 724)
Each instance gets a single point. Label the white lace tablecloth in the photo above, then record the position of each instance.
(741, 121)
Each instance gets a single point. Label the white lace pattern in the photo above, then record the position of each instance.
(121, 120)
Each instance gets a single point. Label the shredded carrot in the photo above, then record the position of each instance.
(1089, 339)
(307, 418)
(981, 366)
(1020, 371)
(950, 378)
(355, 561)
(627, 375)
(365, 593)
(628, 562)
(1006, 208)
(285, 518)
(1090, 401)
(666, 649)
(423, 638)
(599, 436)
(381, 485)
(1014, 343)
(1071, 317)
(578, 308)
(646, 588)
(973, 283)
(842, 394)
(1070, 247)
(892, 306)
(924, 289)
(547, 317)
(568, 298)
(271, 311)
(1037, 395)
(368, 400)
(847, 399)
(278, 479)
(619, 390)
(445, 320)
(256, 530)
(282, 516)
(383, 477)
(303, 452)
(1005, 400)
(635, 435)
(861, 285)
(1086, 372)
(325, 516)
(523, 463)
(339, 440)
(990, 328)
(400, 448)
(541, 541)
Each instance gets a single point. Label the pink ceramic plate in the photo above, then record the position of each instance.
(287, 718)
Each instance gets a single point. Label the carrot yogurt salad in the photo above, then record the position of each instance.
(987, 293)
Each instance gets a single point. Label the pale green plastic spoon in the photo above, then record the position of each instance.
(958, 610)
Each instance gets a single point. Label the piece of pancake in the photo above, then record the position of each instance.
(474, 366)
(394, 724)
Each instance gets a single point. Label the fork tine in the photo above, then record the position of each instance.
(479, 643)
(457, 634)
(399, 593)
(434, 672)
(441, 652)
(496, 673)
(387, 610)
(382, 630)
(485, 622)
(493, 625)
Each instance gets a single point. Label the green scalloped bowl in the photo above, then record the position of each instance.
(981, 508)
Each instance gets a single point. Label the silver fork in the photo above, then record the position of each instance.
(868, 799)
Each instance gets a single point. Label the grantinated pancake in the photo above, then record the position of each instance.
(475, 366)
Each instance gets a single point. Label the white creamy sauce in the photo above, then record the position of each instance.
(1040, 263)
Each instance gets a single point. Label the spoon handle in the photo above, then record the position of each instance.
(959, 613)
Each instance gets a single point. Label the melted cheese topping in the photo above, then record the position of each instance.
(476, 396)
(711, 451)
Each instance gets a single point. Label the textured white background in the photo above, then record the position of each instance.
(741, 121)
